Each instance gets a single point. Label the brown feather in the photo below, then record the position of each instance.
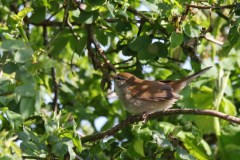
(152, 91)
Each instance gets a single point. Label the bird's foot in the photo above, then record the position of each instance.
(144, 116)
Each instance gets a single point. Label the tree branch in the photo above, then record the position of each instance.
(213, 40)
(210, 7)
(134, 11)
(166, 112)
(98, 47)
(55, 88)
(71, 29)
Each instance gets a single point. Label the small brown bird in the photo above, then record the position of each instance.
(142, 97)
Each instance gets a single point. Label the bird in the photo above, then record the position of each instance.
(142, 97)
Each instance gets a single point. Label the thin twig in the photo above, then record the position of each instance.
(61, 28)
(108, 52)
(166, 112)
(140, 27)
(213, 40)
(98, 47)
(173, 59)
(126, 67)
(124, 62)
(117, 19)
(211, 7)
(32, 157)
(53, 23)
(71, 29)
(146, 18)
(55, 88)
(4, 61)
(55, 13)
(44, 73)
(6, 94)
(152, 155)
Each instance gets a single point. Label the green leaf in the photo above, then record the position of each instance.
(24, 12)
(96, 149)
(152, 51)
(77, 143)
(28, 78)
(22, 55)
(25, 90)
(23, 136)
(176, 130)
(43, 138)
(28, 145)
(110, 7)
(136, 148)
(5, 123)
(53, 138)
(176, 39)
(139, 42)
(123, 26)
(38, 15)
(37, 104)
(12, 44)
(162, 141)
(96, 3)
(182, 153)
(128, 52)
(145, 134)
(191, 29)
(27, 106)
(81, 45)
(238, 5)
(109, 124)
(14, 119)
(233, 38)
(50, 126)
(197, 133)
(71, 153)
(103, 38)
(10, 67)
(29, 122)
(7, 158)
(201, 151)
(60, 149)
(64, 118)
(31, 134)
(67, 141)
(88, 17)
(59, 45)
(152, 6)
(29, 152)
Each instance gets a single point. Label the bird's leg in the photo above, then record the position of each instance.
(144, 116)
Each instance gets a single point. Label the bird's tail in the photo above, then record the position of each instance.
(195, 75)
(180, 84)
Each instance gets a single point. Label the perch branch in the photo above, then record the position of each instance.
(166, 112)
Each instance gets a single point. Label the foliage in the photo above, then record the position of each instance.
(56, 56)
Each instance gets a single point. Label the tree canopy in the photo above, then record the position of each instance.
(57, 100)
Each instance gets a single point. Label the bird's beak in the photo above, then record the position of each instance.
(111, 76)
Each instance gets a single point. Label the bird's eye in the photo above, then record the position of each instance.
(118, 78)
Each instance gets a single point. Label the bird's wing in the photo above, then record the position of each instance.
(153, 91)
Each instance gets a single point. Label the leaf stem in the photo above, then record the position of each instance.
(23, 33)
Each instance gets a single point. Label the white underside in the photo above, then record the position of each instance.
(139, 106)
